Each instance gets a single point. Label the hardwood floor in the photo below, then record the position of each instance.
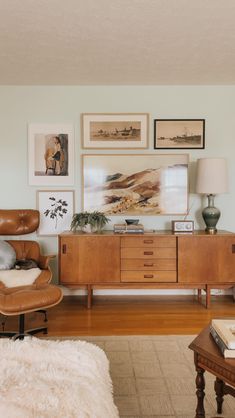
(130, 315)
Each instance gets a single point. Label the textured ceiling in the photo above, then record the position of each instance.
(97, 42)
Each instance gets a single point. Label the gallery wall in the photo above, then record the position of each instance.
(23, 105)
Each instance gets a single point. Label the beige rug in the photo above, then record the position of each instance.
(154, 377)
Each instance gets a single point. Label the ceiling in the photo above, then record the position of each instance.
(117, 42)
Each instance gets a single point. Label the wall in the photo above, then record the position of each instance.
(22, 105)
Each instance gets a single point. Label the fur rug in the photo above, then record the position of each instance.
(54, 379)
(13, 278)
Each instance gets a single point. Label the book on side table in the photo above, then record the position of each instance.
(225, 328)
(227, 352)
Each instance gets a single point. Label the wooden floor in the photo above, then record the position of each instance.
(130, 315)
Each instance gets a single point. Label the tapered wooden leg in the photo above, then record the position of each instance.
(199, 295)
(208, 296)
(219, 390)
(89, 296)
(200, 384)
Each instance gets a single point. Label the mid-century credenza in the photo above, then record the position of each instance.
(161, 260)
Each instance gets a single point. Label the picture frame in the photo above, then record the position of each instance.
(56, 209)
(51, 154)
(139, 184)
(179, 133)
(114, 130)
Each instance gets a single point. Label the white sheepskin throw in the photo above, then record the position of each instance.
(13, 278)
(54, 379)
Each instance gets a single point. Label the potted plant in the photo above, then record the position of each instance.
(89, 221)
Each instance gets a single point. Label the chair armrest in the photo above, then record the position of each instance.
(43, 278)
(44, 260)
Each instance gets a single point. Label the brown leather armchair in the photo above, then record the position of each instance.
(37, 296)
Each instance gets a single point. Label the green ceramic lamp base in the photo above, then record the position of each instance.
(211, 215)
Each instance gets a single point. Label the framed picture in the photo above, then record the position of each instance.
(51, 154)
(56, 209)
(115, 130)
(179, 133)
(147, 184)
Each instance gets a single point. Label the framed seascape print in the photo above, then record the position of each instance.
(179, 133)
(56, 209)
(147, 184)
(51, 154)
(115, 130)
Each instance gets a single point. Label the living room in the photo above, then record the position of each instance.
(147, 63)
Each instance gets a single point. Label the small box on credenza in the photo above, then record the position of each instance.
(182, 226)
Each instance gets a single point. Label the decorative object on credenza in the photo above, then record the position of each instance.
(115, 130)
(211, 180)
(128, 228)
(56, 209)
(179, 133)
(51, 154)
(132, 221)
(182, 226)
(89, 221)
(146, 184)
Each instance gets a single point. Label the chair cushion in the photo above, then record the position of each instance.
(7, 256)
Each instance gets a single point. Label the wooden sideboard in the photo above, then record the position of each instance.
(161, 260)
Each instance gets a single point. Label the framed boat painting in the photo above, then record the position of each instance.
(51, 154)
(179, 133)
(115, 130)
(140, 184)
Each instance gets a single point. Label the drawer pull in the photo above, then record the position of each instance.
(148, 252)
(148, 241)
(233, 248)
(148, 264)
(64, 248)
(148, 276)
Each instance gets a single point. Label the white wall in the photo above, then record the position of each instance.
(22, 105)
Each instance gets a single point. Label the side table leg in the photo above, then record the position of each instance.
(219, 390)
(200, 384)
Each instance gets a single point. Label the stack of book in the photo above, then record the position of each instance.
(128, 229)
(223, 332)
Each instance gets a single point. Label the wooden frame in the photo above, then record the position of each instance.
(140, 184)
(179, 133)
(51, 154)
(56, 209)
(114, 130)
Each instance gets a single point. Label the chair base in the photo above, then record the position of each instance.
(21, 333)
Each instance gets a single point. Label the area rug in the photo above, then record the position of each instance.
(154, 377)
(54, 379)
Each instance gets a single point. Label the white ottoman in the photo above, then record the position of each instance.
(47, 379)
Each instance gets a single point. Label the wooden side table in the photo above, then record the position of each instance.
(207, 357)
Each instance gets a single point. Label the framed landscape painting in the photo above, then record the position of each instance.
(51, 154)
(114, 130)
(56, 209)
(147, 184)
(179, 133)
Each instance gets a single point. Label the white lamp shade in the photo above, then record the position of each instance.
(212, 176)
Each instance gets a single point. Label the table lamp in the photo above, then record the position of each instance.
(211, 180)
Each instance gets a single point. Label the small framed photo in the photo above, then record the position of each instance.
(179, 133)
(51, 154)
(56, 209)
(115, 130)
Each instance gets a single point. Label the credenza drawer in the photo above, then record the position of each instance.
(145, 241)
(148, 253)
(149, 264)
(148, 276)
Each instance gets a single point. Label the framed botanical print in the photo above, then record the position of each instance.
(51, 154)
(179, 133)
(139, 184)
(56, 209)
(114, 130)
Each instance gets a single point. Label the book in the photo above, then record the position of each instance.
(129, 229)
(227, 353)
(225, 328)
